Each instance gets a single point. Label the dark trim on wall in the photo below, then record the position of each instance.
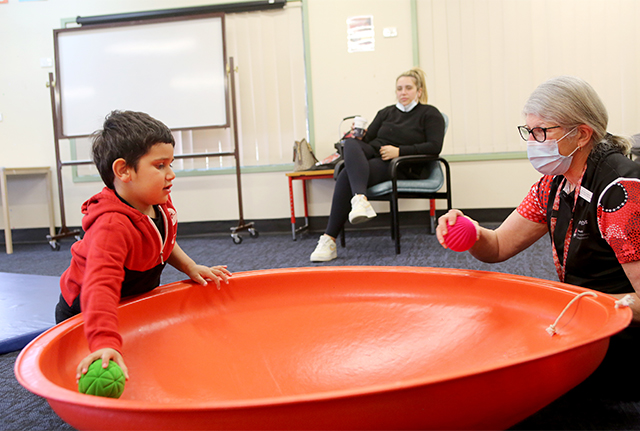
(180, 12)
(283, 225)
(488, 215)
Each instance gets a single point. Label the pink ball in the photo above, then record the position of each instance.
(461, 236)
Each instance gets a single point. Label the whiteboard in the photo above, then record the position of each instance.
(174, 70)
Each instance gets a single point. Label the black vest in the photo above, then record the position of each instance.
(591, 262)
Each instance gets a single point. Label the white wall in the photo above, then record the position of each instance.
(26, 131)
(344, 84)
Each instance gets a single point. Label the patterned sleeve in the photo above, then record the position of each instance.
(619, 218)
(534, 205)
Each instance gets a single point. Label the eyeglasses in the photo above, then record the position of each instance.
(539, 133)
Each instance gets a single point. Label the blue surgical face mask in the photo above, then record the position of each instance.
(546, 158)
(407, 108)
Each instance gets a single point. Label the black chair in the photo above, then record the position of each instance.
(635, 147)
(428, 188)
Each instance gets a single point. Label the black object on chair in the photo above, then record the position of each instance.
(635, 147)
(428, 188)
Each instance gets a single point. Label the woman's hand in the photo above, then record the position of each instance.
(353, 135)
(449, 219)
(106, 354)
(515, 234)
(201, 274)
(388, 152)
(632, 270)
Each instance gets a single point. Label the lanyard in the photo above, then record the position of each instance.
(561, 267)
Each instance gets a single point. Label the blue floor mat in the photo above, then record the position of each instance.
(27, 308)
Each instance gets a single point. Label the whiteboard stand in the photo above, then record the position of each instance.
(65, 232)
(237, 239)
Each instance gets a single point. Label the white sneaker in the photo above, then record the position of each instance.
(361, 210)
(325, 250)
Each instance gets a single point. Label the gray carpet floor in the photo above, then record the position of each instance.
(578, 409)
(277, 250)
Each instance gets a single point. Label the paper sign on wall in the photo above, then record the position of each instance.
(360, 34)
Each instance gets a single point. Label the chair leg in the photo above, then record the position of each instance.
(342, 240)
(432, 215)
(396, 224)
(393, 220)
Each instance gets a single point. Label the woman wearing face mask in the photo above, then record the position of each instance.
(588, 199)
(408, 127)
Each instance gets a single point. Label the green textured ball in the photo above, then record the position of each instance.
(103, 382)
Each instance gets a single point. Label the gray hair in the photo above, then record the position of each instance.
(570, 102)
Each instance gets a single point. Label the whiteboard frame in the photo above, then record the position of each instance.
(82, 31)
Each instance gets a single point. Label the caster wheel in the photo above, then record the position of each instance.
(254, 233)
(237, 239)
(55, 246)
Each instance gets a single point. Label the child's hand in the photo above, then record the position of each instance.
(105, 354)
(200, 274)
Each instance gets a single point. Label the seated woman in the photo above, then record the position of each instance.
(408, 127)
(588, 199)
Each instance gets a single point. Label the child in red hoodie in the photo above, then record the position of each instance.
(130, 232)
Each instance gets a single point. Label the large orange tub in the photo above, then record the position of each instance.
(335, 348)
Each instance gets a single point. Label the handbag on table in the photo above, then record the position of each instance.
(303, 157)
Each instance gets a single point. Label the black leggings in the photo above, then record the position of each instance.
(363, 168)
(64, 311)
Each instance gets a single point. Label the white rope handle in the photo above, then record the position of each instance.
(625, 301)
(552, 328)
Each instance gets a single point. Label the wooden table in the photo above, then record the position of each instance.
(304, 176)
(7, 172)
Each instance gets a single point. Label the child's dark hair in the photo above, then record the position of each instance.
(128, 135)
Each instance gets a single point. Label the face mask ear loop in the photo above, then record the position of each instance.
(573, 152)
(567, 134)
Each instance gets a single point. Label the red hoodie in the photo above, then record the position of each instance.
(121, 254)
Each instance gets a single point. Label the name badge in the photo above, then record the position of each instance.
(586, 194)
